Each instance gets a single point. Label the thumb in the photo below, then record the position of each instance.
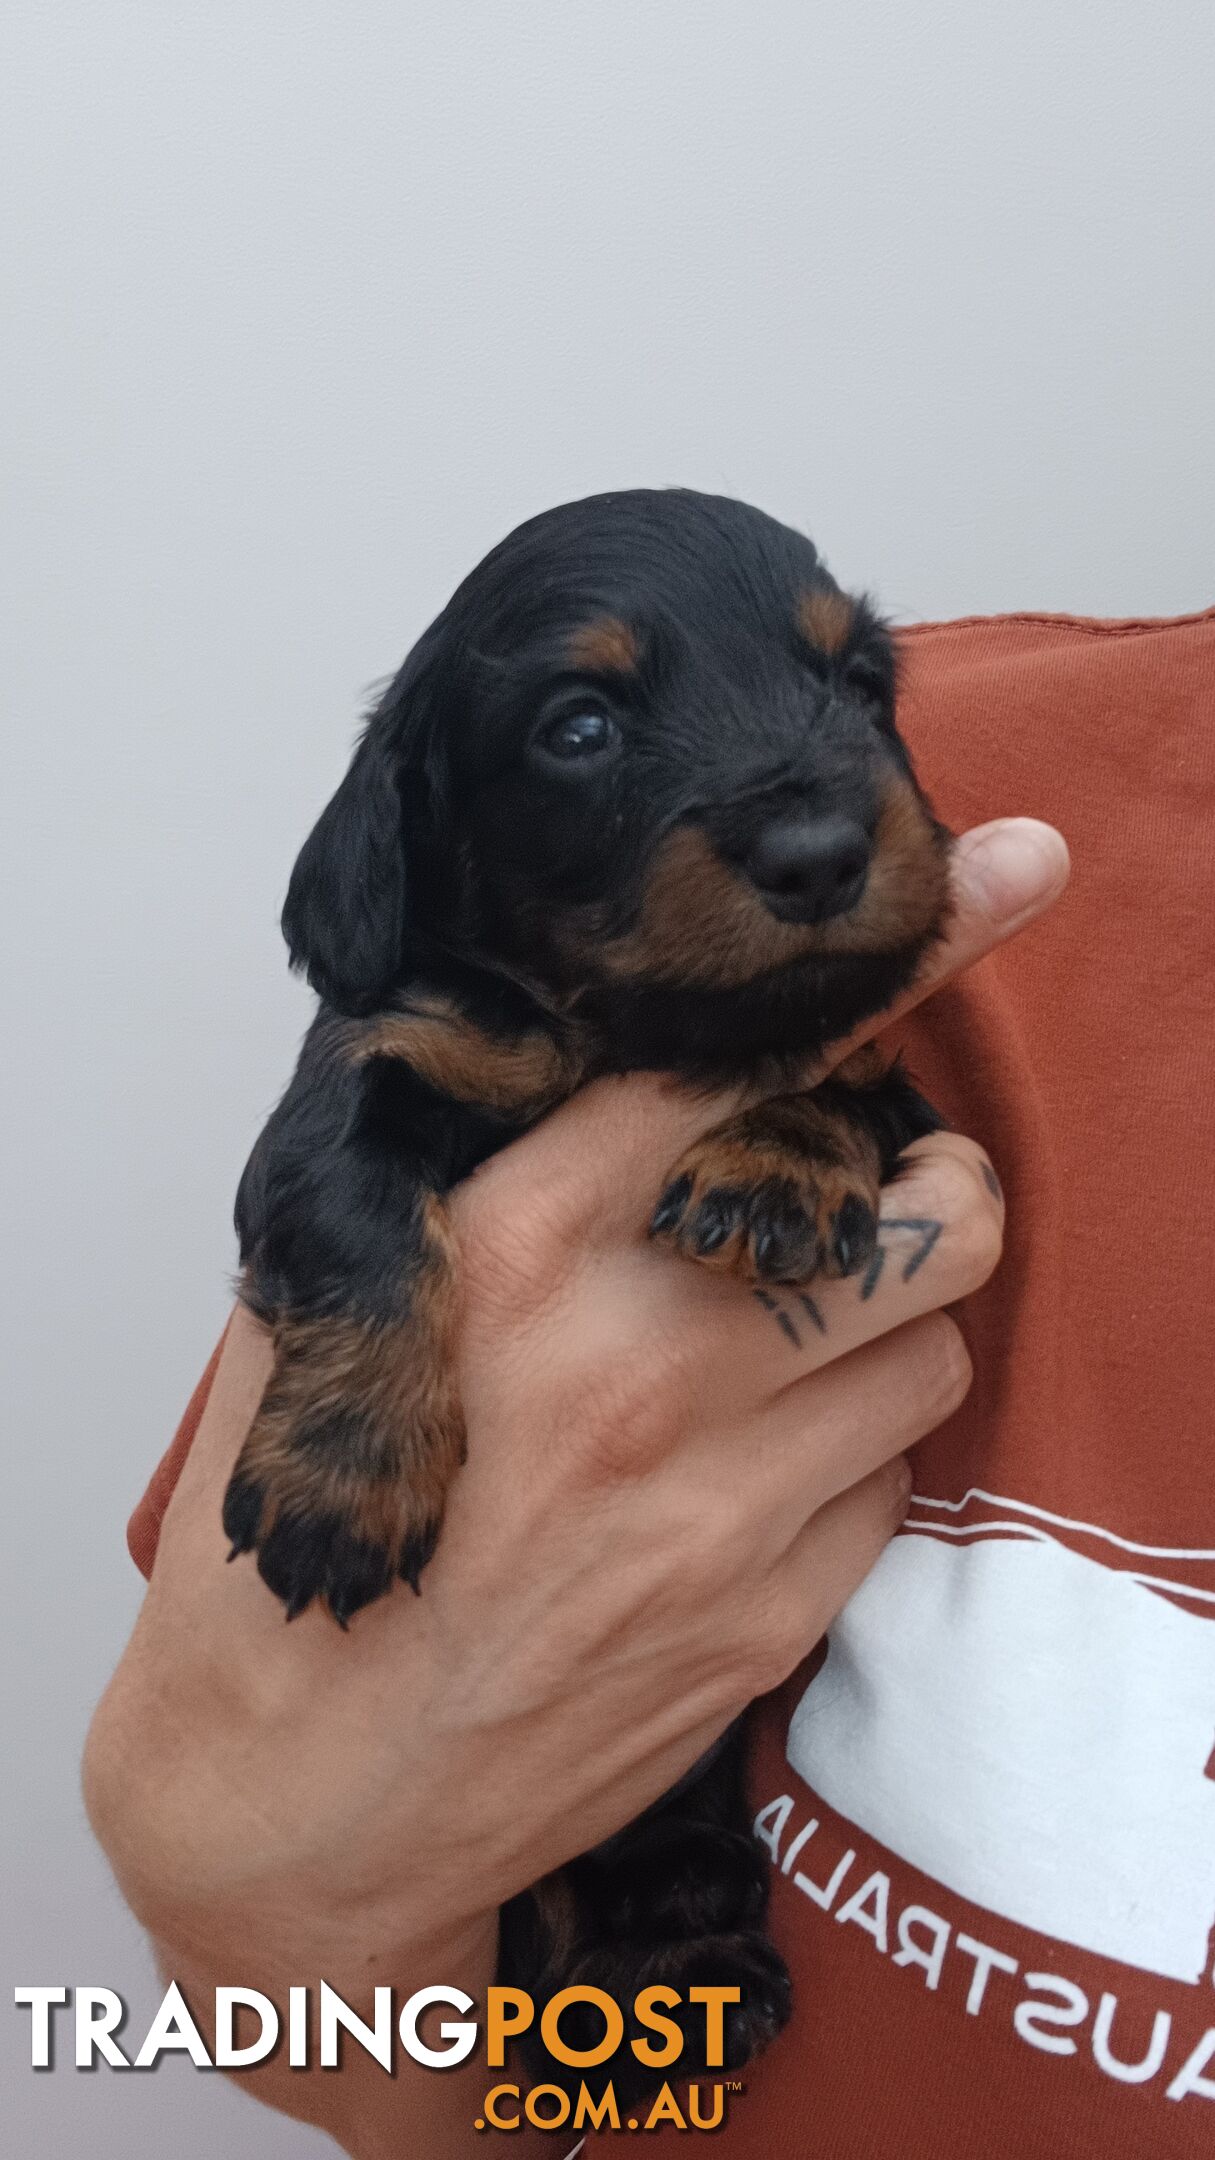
(1003, 876)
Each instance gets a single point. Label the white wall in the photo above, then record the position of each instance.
(307, 304)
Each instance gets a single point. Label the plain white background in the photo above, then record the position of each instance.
(305, 305)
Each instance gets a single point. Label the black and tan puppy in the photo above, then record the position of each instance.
(635, 800)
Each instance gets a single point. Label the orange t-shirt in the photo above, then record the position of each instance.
(991, 1810)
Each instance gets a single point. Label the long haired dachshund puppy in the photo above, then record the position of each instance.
(635, 800)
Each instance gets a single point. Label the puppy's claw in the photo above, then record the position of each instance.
(415, 1555)
(717, 1218)
(854, 1234)
(357, 1573)
(242, 1515)
(671, 1206)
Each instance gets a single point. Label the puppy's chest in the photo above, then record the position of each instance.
(454, 1085)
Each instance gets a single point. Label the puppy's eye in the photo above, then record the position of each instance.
(578, 735)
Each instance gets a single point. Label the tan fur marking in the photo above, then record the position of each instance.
(604, 647)
(864, 1068)
(826, 619)
(702, 925)
(521, 1076)
(392, 1379)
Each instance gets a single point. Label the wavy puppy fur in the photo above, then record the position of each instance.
(636, 799)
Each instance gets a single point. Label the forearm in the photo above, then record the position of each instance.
(135, 1802)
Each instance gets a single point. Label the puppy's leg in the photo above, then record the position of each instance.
(676, 1899)
(789, 1189)
(341, 1482)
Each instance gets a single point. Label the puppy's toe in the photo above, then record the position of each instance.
(341, 1542)
(823, 1221)
(746, 1199)
(704, 1219)
(845, 1203)
(767, 1999)
(784, 1236)
(853, 1232)
(303, 1559)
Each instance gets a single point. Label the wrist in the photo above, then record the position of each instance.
(225, 1879)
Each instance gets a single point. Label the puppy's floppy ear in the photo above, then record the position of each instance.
(346, 918)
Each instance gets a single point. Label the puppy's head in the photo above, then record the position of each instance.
(647, 757)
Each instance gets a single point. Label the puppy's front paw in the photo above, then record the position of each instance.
(341, 1483)
(775, 1198)
(343, 1544)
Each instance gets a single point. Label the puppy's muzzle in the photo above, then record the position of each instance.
(807, 868)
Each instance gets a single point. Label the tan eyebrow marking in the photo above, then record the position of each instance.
(606, 646)
(826, 618)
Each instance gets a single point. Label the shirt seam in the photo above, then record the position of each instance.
(1082, 625)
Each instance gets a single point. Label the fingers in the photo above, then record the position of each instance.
(941, 1228)
(878, 1402)
(824, 1565)
(593, 1170)
(821, 1436)
(1004, 875)
(722, 1349)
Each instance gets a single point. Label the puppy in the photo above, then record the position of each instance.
(636, 800)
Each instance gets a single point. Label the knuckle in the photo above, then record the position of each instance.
(671, 1362)
(621, 1417)
(776, 1645)
(881, 1509)
(511, 1257)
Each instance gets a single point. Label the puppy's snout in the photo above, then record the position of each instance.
(807, 868)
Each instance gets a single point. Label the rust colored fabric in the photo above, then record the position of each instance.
(991, 1810)
(143, 1530)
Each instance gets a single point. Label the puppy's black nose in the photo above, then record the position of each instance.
(806, 869)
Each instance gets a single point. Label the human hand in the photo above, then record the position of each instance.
(666, 1501)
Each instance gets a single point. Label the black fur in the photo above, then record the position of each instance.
(464, 858)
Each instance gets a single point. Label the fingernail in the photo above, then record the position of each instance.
(1012, 867)
(991, 1181)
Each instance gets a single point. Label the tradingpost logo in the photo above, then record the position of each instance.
(243, 2027)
